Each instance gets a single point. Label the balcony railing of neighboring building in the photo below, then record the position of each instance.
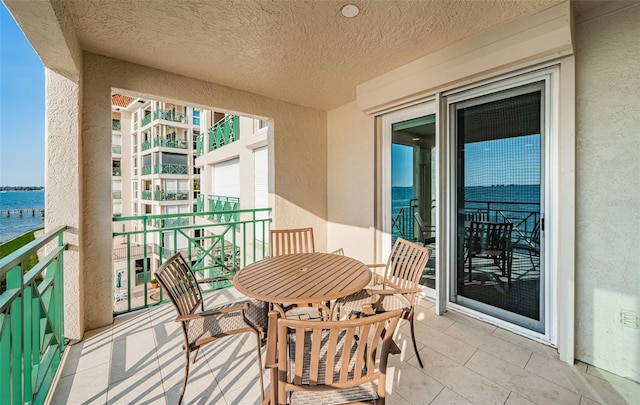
(116, 171)
(146, 170)
(145, 145)
(223, 207)
(146, 195)
(170, 115)
(200, 203)
(117, 195)
(115, 148)
(32, 319)
(146, 120)
(223, 132)
(171, 169)
(167, 222)
(200, 145)
(116, 125)
(220, 249)
(170, 143)
(170, 195)
(135, 171)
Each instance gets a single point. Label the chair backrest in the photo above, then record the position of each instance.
(335, 354)
(485, 236)
(406, 264)
(179, 282)
(476, 216)
(290, 241)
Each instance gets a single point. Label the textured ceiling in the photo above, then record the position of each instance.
(300, 51)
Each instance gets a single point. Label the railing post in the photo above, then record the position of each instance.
(14, 281)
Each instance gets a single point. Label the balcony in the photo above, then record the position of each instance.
(115, 148)
(116, 195)
(145, 145)
(170, 169)
(161, 195)
(139, 358)
(146, 120)
(115, 125)
(116, 171)
(223, 132)
(170, 143)
(146, 195)
(146, 170)
(222, 208)
(170, 115)
(200, 145)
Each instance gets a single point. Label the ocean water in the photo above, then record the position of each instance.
(14, 225)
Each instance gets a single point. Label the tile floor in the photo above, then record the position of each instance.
(138, 360)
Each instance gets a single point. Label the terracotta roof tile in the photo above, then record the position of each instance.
(120, 100)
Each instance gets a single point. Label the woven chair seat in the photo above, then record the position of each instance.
(364, 392)
(211, 326)
(352, 305)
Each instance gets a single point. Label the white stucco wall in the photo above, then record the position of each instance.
(350, 181)
(608, 190)
(297, 158)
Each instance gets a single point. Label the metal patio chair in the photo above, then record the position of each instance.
(490, 240)
(200, 327)
(396, 290)
(290, 241)
(331, 362)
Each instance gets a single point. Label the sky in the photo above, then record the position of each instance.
(21, 108)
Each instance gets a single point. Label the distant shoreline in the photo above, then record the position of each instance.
(21, 188)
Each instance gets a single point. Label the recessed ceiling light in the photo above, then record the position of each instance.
(415, 139)
(350, 10)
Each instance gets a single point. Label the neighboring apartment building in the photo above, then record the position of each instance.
(155, 172)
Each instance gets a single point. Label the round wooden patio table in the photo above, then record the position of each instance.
(302, 278)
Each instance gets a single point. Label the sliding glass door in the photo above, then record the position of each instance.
(499, 210)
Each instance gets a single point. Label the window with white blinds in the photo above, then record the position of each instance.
(226, 178)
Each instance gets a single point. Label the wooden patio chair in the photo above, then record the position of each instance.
(490, 240)
(200, 327)
(290, 241)
(331, 362)
(396, 290)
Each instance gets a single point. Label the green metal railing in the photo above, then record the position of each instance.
(223, 132)
(146, 195)
(115, 125)
(146, 120)
(117, 171)
(146, 170)
(115, 148)
(200, 145)
(170, 115)
(171, 169)
(117, 195)
(162, 195)
(32, 320)
(168, 222)
(223, 208)
(218, 250)
(171, 143)
(145, 145)
(200, 203)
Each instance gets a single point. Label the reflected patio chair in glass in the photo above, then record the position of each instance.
(425, 231)
(331, 362)
(396, 289)
(200, 327)
(490, 240)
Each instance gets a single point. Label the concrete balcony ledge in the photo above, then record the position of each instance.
(139, 359)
